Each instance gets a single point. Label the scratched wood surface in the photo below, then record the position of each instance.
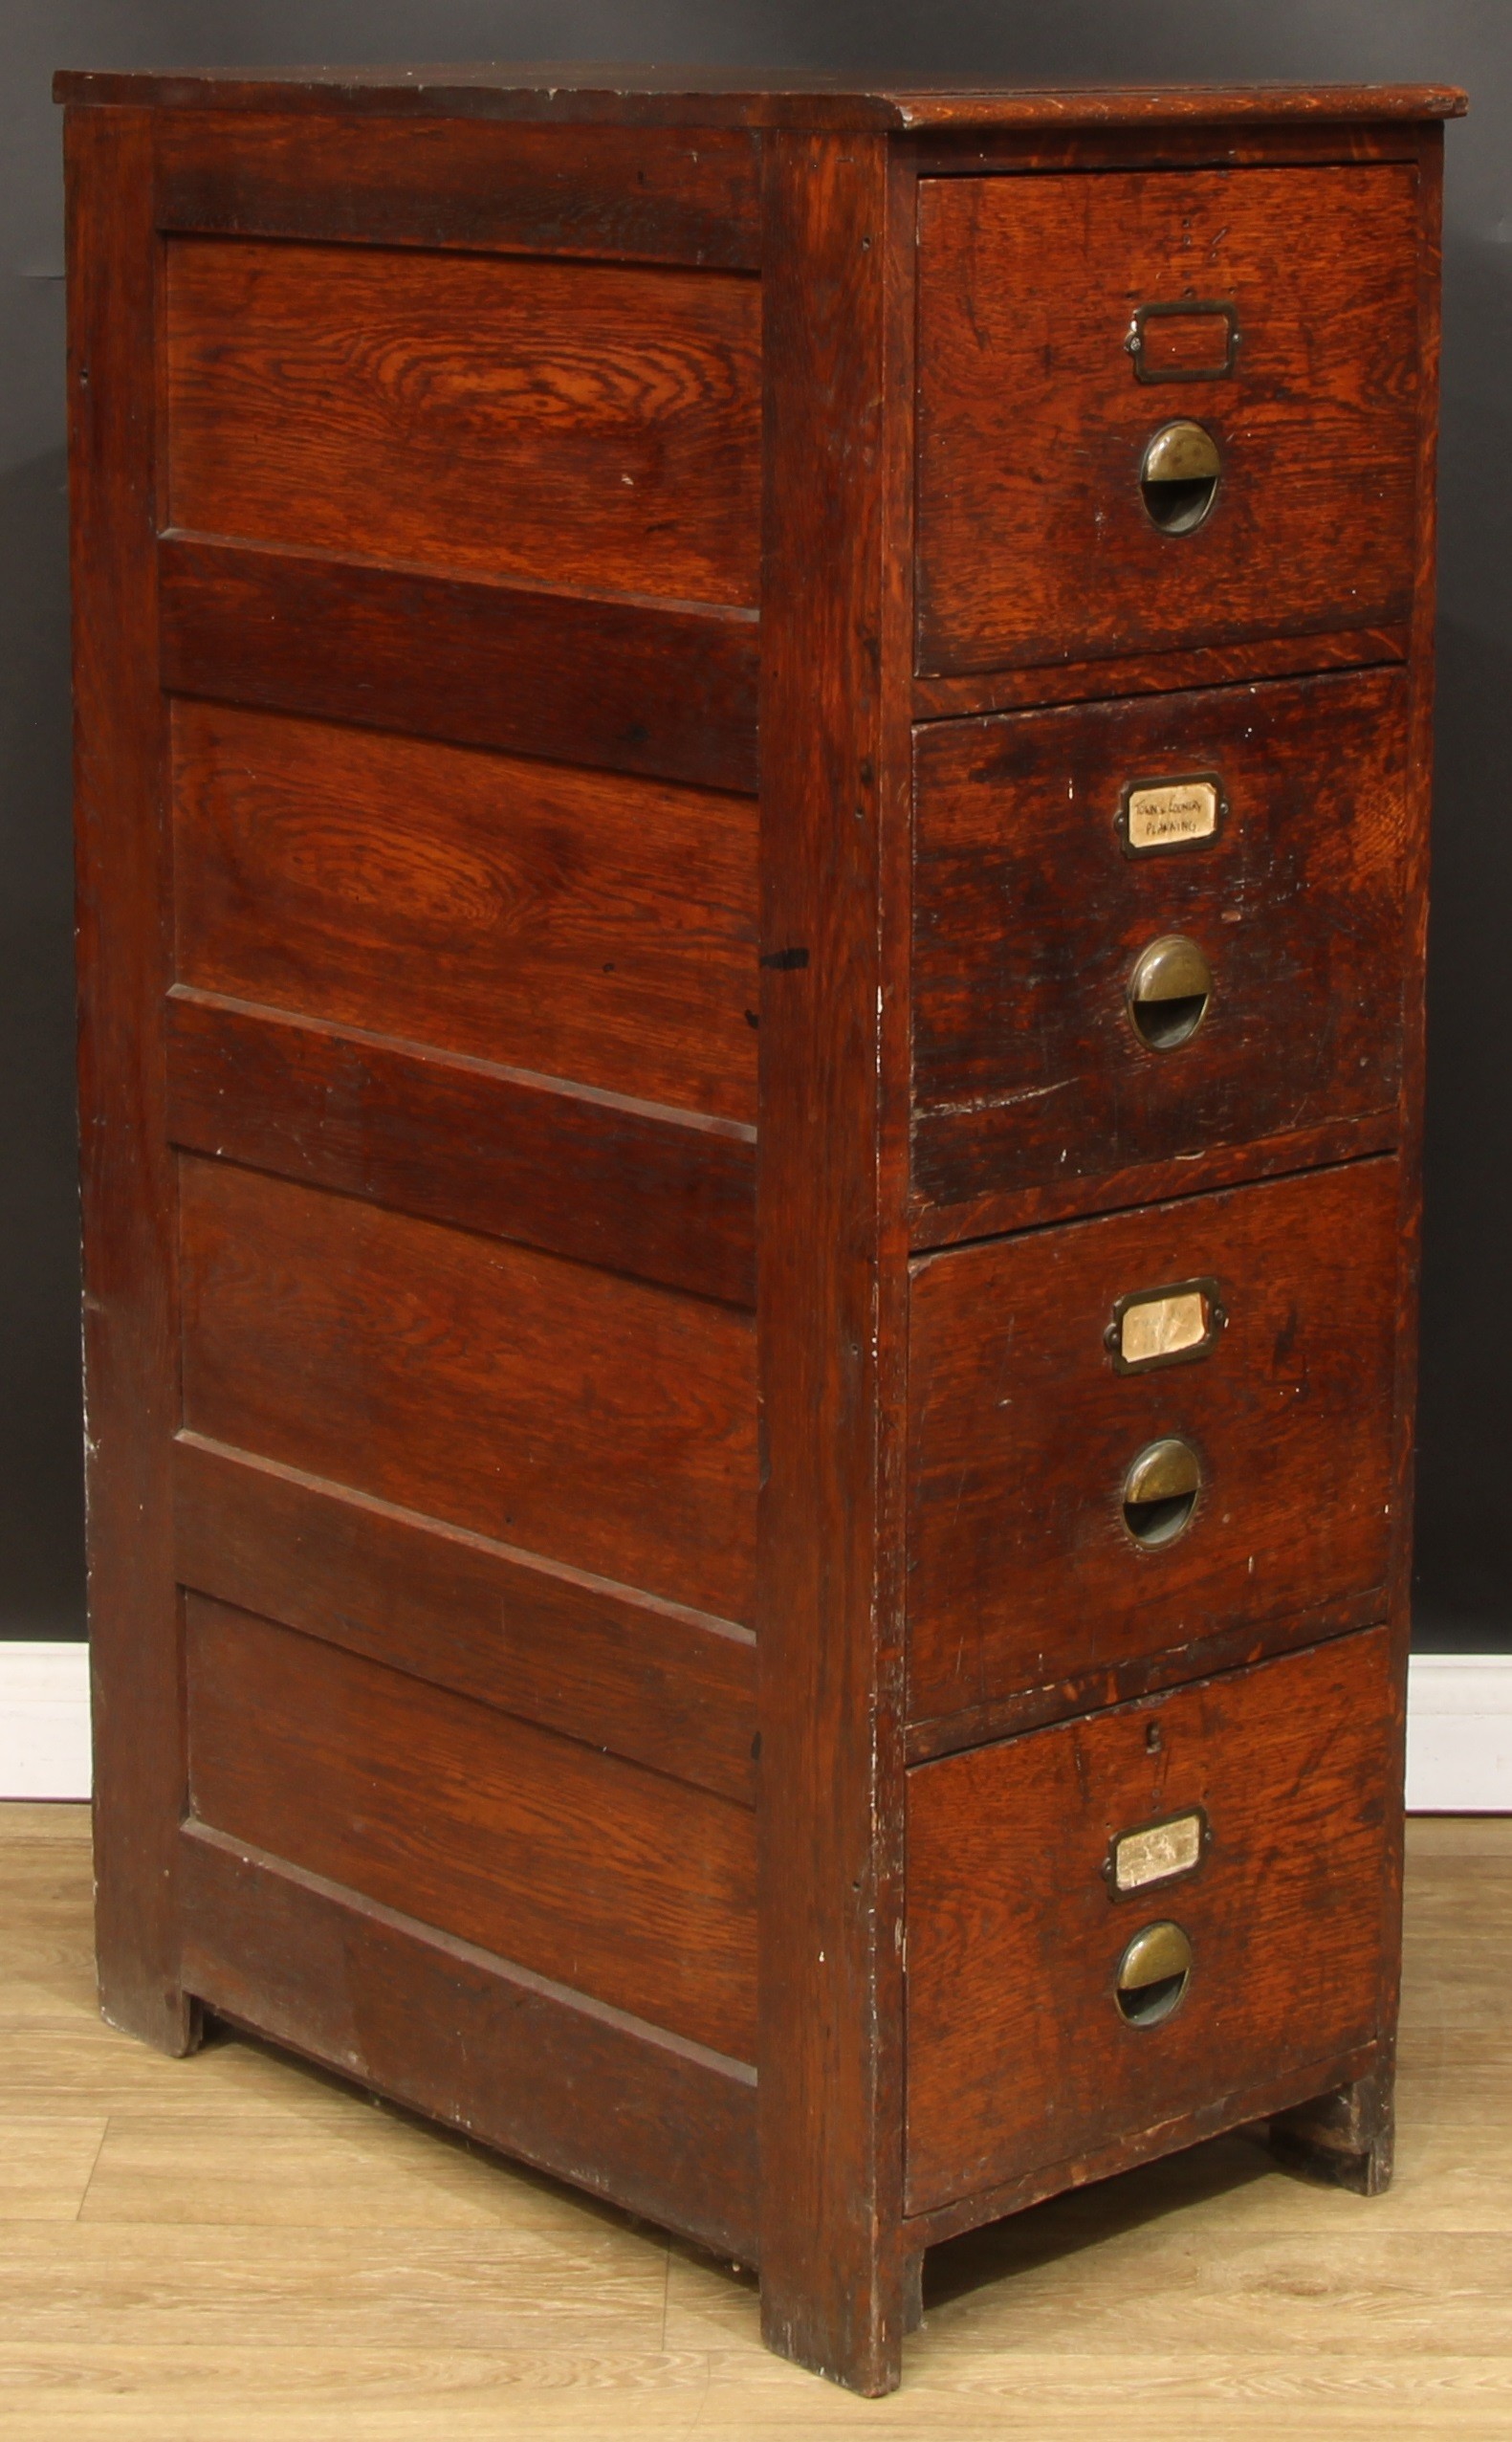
(240, 2249)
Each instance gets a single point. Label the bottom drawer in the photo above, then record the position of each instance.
(1269, 1797)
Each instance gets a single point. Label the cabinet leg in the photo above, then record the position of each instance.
(912, 2292)
(1342, 2139)
(171, 2021)
(853, 2335)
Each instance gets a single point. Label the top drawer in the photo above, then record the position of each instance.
(1297, 355)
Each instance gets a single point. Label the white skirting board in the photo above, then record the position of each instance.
(1458, 1728)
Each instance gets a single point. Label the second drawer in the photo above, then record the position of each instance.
(1132, 1435)
(1263, 827)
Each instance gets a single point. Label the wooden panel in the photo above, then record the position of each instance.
(584, 1417)
(661, 1686)
(1017, 2051)
(977, 692)
(1034, 541)
(1021, 1569)
(831, 1277)
(1197, 1172)
(127, 1174)
(659, 2125)
(1029, 918)
(447, 182)
(626, 1185)
(585, 924)
(576, 423)
(620, 1882)
(632, 686)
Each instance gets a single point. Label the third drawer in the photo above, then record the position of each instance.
(1132, 1436)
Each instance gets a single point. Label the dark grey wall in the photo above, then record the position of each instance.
(1465, 1573)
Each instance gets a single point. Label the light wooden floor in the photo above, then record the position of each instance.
(236, 2249)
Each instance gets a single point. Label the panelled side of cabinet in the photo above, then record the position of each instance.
(436, 1047)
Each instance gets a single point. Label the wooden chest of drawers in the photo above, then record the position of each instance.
(751, 791)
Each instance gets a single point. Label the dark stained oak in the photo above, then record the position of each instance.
(625, 1885)
(125, 1167)
(573, 92)
(972, 693)
(583, 1416)
(614, 609)
(831, 1256)
(474, 2040)
(1029, 918)
(1034, 541)
(1022, 1569)
(632, 1186)
(653, 1681)
(1017, 2052)
(589, 191)
(574, 422)
(632, 686)
(586, 924)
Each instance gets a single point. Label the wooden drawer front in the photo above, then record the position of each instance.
(1033, 541)
(1019, 2055)
(577, 423)
(1022, 1571)
(1030, 918)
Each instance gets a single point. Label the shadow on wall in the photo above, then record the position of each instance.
(42, 1497)
(1462, 1598)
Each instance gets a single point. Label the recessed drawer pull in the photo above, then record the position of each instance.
(1179, 475)
(1154, 1974)
(1169, 992)
(1160, 1492)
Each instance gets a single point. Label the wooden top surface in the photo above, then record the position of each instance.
(692, 97)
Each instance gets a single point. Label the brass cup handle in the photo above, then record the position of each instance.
(1153, 1975)
(1160, 1492)
(1178, 475)
(1168, 993)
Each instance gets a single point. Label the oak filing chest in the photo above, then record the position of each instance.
(752, 787)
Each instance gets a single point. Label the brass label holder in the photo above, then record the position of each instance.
(1215, 310)
(1169, 1326)
(1156, 817)
(1162, 1852)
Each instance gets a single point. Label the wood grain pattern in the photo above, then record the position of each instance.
(455, 182)
(585, 924)
(582, 1416)
(831, 1250)
(127, 1174)
(635, 686)
(659, 1684)
(452, 2031)
(621, 1883)
(1017, 2052)
(651, 97)
(1034, 543)
(630, 1186)
(1028, 920)
(974, 692)
(1022, 1570)
(580, 424)
(1000, 1211)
